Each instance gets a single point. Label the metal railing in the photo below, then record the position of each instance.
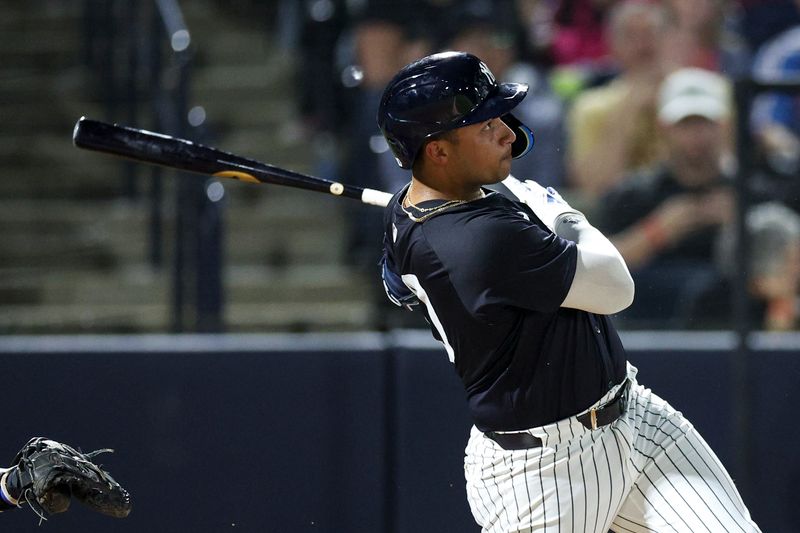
(743, 367)
(142, 54)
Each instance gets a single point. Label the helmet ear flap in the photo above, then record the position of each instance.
(402, 156)
(524, 141)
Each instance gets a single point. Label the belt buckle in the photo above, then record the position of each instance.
(593, 418)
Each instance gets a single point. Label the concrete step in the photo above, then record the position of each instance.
(30, 122)
(45, 164)
(220, 41)
(292, 316)
(274, 117)
(48, 251)
(298, 247)
(134, 286)
(46, 104)
(43, 180)
(59, 40)
(276, 146)
(14, 10)
(143, 285)
(42, 58)
(91, 234)
(21, 91)
(55, 149)
(102, 236)
(105, 253)
(78, 318)
(125, 301)
(62, 110)
(155, 318)
(20, 293)
(278, 210)
(292, 226)
(60, 214)
(255, 204)
(270, 78)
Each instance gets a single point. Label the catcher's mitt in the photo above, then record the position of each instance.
(47, 474)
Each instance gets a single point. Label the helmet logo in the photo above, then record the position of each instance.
(487, 72)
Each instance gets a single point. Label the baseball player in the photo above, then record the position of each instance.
(518, 292)
(47, 474)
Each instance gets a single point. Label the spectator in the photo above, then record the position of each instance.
(699, 35)
(383, 35)
(579, 33)
(491, 34)
(774, 232)
(572, 36)
(774, 244)
(612, 129)
(664, 221)
(536, 19)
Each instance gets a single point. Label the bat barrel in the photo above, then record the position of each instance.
(143, 145)
(182, 154)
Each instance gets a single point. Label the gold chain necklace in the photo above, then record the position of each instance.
(429, 211)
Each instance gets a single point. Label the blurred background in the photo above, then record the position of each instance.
(673, 124)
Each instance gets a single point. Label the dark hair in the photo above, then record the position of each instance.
(448, 135)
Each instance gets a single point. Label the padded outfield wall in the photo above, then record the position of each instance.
(346, 433)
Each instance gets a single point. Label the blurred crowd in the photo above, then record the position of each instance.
(632, 106)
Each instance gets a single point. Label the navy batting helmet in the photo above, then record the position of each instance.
(442, 92)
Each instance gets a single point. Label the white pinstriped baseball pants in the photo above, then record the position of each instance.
(649, 471)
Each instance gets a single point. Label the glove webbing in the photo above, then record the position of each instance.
(21, 479)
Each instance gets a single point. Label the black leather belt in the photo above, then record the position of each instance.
(515, 441)
(592, 419)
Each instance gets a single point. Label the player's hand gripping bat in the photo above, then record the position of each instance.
(160, 149)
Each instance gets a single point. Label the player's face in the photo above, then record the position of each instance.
(482, 152)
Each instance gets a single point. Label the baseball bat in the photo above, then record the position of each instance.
(172, 152)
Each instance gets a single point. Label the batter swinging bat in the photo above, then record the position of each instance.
(160, 149)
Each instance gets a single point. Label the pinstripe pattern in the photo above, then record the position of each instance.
(649, 471)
